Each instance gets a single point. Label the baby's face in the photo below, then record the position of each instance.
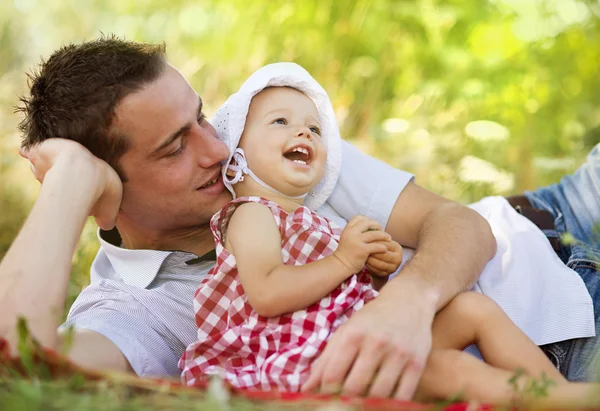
(282, 140)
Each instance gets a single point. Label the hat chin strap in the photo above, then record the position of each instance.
(241, 168)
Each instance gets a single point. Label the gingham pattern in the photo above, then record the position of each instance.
(255, 352)
(140, 300)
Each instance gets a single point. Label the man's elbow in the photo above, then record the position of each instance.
(93, 350)
(484, 232)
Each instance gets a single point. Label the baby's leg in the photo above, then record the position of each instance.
(451, 373)
(472, 318)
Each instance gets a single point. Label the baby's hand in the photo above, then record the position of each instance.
(386, 263)
(362, 237)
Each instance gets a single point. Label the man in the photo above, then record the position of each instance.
(131, 109)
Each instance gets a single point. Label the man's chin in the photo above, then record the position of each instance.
(221, 201)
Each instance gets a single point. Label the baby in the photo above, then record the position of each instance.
(286, 278)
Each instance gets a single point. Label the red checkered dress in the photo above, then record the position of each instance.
(256, 352)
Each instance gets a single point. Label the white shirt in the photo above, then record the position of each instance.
(543, 297)
(142, 299)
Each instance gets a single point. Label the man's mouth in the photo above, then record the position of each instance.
(300, 154)
(211, 182)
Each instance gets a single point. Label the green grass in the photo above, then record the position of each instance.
(17, 394)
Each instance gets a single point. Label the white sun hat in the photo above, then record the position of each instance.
(230, 119)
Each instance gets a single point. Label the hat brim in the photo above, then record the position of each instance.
(230, 119)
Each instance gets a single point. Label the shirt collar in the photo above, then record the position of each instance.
(135, 267)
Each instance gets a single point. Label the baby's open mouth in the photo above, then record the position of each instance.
(300, 155)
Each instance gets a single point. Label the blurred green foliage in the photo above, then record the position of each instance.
(476, 97)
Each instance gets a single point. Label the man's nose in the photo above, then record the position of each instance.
(209, 149)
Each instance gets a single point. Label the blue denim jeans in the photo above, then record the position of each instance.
(575, 205)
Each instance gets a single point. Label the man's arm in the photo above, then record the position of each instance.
(34, 274)
(93, 350)
(382, 349)
(453, 242)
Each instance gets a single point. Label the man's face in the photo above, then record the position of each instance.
(173, 164)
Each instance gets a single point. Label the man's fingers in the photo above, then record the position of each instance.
(409, 381)
(339, 360)
(364, 368)
(386, 380)
(313, 382)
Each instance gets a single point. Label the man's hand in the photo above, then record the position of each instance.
(70, 157)
(384, 264)
(75, 185)
(379, 352)
(361, 237)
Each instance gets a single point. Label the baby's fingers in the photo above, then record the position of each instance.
(375, 248)
(362, 224)
(394, 247)
(380, 267)
(393, 253)
(375, 272)
(376, 235)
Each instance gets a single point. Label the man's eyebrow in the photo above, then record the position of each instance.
(178, 133)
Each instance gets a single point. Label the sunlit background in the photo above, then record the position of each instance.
(475, 97)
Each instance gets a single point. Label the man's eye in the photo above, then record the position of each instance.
(316, 130)
(176, 152)
(179, 150)
(282, 121)
(201, 118)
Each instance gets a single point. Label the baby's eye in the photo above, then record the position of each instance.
(316, 130)
(282, 121)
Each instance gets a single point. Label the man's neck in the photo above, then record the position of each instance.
(198, 240)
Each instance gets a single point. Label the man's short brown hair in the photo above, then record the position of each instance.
(75, 92)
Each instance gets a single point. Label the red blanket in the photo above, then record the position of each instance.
(45, 363)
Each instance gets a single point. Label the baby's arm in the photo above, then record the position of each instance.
(274, 288)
